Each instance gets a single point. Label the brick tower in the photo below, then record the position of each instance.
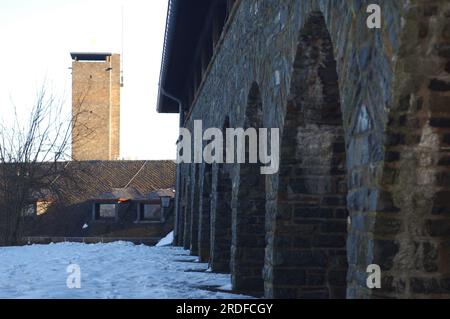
(96, 106)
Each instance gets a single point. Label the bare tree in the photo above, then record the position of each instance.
(32, 155)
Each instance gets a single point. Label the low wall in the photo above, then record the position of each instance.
(150, 241)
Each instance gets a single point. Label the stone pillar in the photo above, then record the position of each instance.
(204, 231)
(195, 206)
(178, 209)
(248, 242)
(187, 215)
(406, 232)
(221, 224)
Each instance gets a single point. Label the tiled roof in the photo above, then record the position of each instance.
(125, 194)
(89, 180)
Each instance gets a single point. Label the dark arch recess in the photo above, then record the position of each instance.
(248, 241)
(309, 253)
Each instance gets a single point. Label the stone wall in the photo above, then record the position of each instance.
(365, 147)
(69, 220)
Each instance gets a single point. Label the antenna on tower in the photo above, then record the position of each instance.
(121, 56)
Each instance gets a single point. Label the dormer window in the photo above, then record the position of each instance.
(105, 212)
(150, 213)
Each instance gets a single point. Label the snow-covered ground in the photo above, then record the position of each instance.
(116, 270)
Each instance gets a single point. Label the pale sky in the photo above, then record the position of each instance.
(36, 40)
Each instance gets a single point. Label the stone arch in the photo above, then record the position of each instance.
(308, 255)
(249, 235)
(221, 216)
(195, 210)
(204, 231)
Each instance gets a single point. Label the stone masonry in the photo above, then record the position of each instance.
(364, 175)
